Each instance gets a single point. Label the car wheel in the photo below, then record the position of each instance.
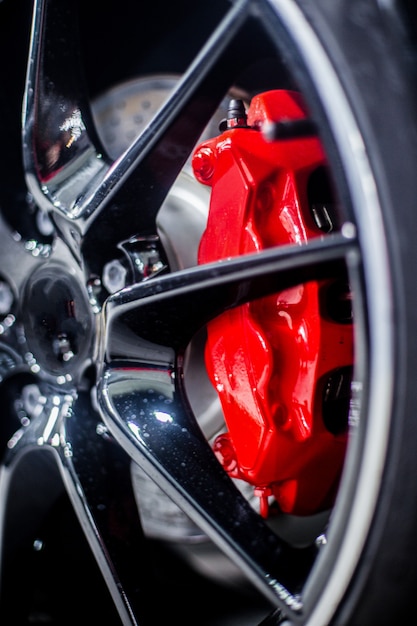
(207, 313)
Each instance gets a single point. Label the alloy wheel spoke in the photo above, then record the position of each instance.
(105, 504)
(66, 167)
(71, 431)
(169, 310)
(62, 155)
(143, 401)
(145, 411)
(129, 198)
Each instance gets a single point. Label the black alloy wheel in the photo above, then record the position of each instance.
(113, 504)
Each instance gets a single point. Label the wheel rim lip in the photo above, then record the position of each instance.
(355, 520)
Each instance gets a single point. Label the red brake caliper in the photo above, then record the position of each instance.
(282, 364)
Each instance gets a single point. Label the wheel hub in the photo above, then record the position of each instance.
(58, 321)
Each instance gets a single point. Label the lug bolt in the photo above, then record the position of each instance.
(6, 298)
(114, 276)
(203, 163)
(44, 223)
(62, 347)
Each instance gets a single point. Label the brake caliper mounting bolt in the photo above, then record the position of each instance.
(203, 163)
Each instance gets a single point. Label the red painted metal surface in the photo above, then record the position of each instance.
(271, 360)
